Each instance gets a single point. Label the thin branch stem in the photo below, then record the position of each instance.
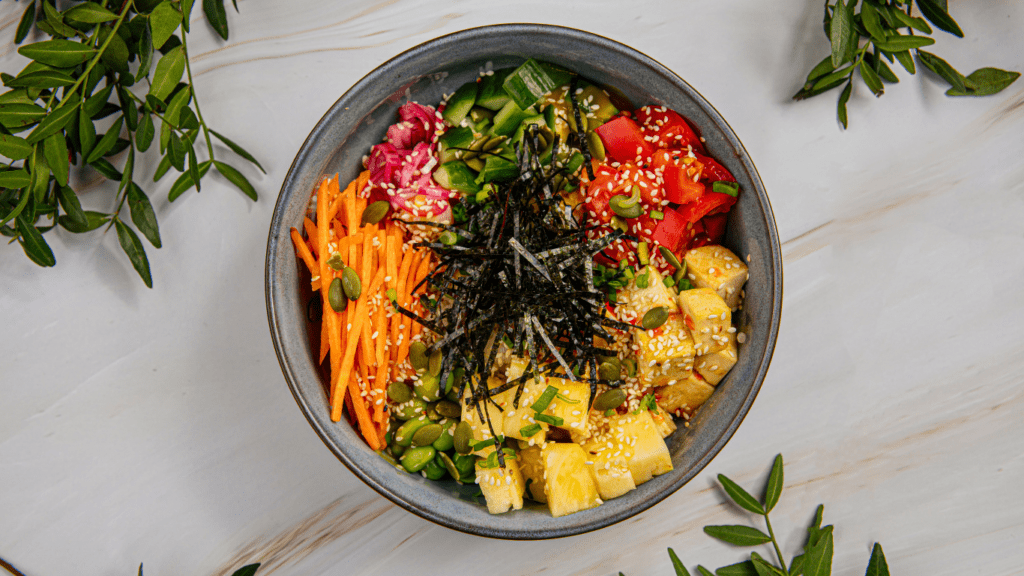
(4, 563)
(195, 97)
(778, 552)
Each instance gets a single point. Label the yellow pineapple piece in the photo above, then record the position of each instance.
(606, 461)
(644, 449)
(665, 353)
(502, 487)
(685, 395)
(663, 421)
(518, 419)
(707, 317)
(531, 465)
(571, 404)
(568, 485)
(715, 365)
(717, 268)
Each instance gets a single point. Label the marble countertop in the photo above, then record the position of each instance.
(155, 426)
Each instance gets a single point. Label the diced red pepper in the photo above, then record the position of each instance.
(623, 141)
(714, 226)
(598, 194)
(672, 129)
(633, 175)
(709, 203)
(713, 171)
(679, 187)
(670, 231)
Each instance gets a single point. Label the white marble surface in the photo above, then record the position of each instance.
(154, 425)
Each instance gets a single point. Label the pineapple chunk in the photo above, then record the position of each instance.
(639, 300)
(571, 403)
(531, 465)
(567, 483)
(606, 462)
(502, 487)
(666, 426)
(516, 419)
(707, 317)
(665, 353)
(717, 268)
(687, 394)
(714, 366)
(645, 451)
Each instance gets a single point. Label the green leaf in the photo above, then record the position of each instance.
(796, 565)
(904, 19)
(738, 535)
(140, 568)
(33, 244)
(164, 20)
(54, 121)
(677, 564)
(236, 178)
(740, 496)
(938, 15)
(192, 165)
(839, 33)
(184, 182)
(40, 173)
(943, 69)
(763, 567)
(55, 147)
(16, 115)
(144, 135)
(818, 559)
(162, 168)
(188, 120)
(822, 68)
(884, 72)
(90, 13)
(58, 53)
(136, 252)
(168, 72)
(129, 169)
(13, 179)
(86, 133)
(116, 54)
(872, 23)
(25, 25)
(41, 79)
(72, 207)
(871, 79)
(145, 53)
(93, 220)
(906, 60)
(143, 215)
(704, 571)
(56, 22)
(247, 570)
(745, 568)
(176, 150)
(177, 103)
(218, 18)
(985, 81)
(26, 195)
(877, 566)
(106, 142)
(237, 149)
(899, 42)
(93, 104)
(773, 488)
(844, 97)
(186, 13)
(131, 113)
(106, 169)
(14, 147)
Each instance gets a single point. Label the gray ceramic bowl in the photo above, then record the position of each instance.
(360, 118)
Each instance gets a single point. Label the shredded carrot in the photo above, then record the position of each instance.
(421, 273)
(304, 253)
(362, 180)
(325, 341)
(310, 228)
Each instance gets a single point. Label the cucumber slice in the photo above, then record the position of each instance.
(537, 119)
(574, 163)
(528, 83)
(460, 103)
(506, 120)
(560, 76)
(549, 116)
(498, 168)
(492, 94)
(460, 137)
(476, 114)
(596, 97)
(456, 176)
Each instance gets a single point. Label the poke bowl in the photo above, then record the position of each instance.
(413, 327)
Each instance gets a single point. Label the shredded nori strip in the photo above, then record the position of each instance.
(549, 308)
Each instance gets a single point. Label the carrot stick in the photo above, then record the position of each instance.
(310, 228)
(421, 273)
(362, 180)
(344, 376)
(303, 250)
(351, 218)
(366, 269)
(397, 319)
(325, 342)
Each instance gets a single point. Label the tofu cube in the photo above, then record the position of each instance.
(517, 419)
(638, 300)
(606, 462)
(571, 404)
(686, 395)
(717, 268)
(665, 353)
(708, 318)
(715, 365)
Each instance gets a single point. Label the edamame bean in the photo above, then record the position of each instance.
(463, 438)
(428, 387)
(466, 466)
(426, 434)
(434, 470)
(416, 459)
(446, 441)
(409, 410)
(399, 392)
(405, 433)
(396, 450)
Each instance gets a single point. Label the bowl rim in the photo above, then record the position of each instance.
(776, 283)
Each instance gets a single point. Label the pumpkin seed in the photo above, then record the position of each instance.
(609, 371)
(463, 437)
(609, 400)
(449, 465)
(399, 392)
(434, 363)
(475, 163)
(426, 435)
(418, 356)
(670, 257)
(449, 409)
(416, 459)
(350, 281)
(596, 146)
(406, 432)
(679, 275)
(428, 387)
(654, 318)
(375, 212)
(336, 296)
(630, 365)
(335, 261)
(493, 143)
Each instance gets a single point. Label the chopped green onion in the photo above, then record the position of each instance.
(657, 214)
(449, 238)
(392, 294)
(545, 399)
(527, 431)
(723, 187)
(609, 412)
(485, 442)
(553, 420)
(628, 273)
(643, 254)
(668, 282)
(643, 280)
(566, 399)
(685, 284)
